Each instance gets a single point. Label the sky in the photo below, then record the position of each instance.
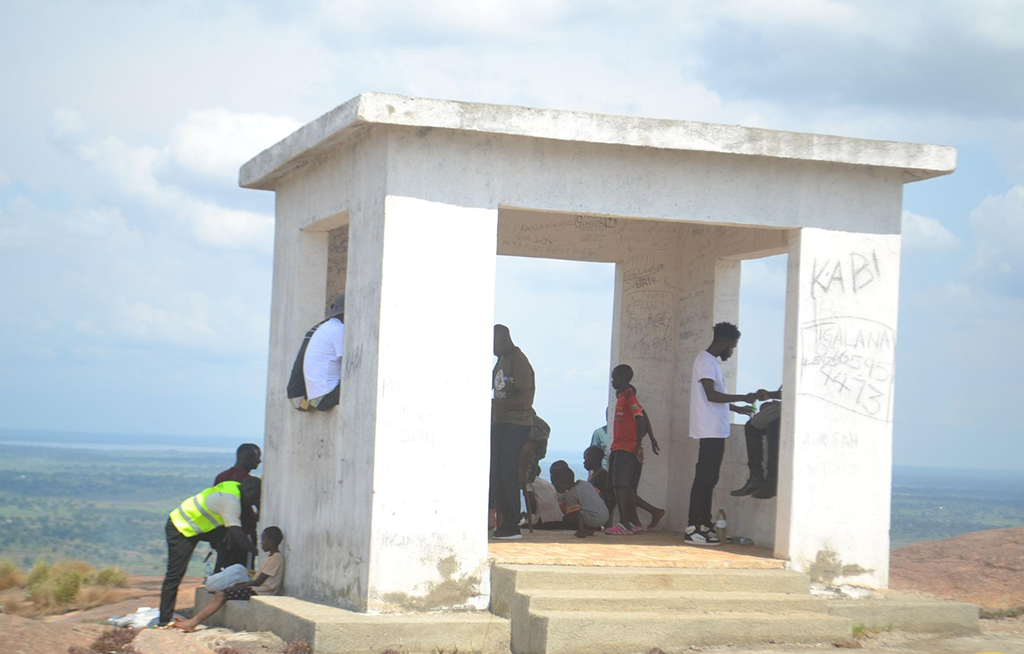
(135, 274)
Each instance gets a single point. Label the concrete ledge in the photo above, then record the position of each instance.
(507, 579)
(332, 630)
(234, 614)
(918, 160)
(908, 613)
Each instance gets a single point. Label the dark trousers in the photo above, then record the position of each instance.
(709, 463)
(229, 553)
(179, 553)
(507, 442)
(755, 450)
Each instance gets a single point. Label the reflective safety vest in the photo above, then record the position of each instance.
(193, 517)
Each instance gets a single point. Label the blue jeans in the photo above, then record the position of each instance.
(507, 442)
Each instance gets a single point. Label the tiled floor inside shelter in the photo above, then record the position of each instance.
(657, 549)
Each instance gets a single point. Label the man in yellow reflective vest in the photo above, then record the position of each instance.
(211, 516)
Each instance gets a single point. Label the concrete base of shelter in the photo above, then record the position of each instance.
(331, 630)
(907, 612)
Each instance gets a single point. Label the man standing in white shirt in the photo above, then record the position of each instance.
(321, 364)
(709, 424)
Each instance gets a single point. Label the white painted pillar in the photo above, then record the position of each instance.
(428, 541)
(836, 451)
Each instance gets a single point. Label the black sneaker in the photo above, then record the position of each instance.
(767, 491)
(700, 536)
(753, 485)
(502, 534)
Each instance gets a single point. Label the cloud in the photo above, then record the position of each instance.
(997, 225)
(130, 171)
(214, 143)
(5, 179)
(926, 234)
(67, 121)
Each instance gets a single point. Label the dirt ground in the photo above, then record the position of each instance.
(983, 567)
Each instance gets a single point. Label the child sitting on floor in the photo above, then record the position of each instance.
(581, 501)
(267, 581)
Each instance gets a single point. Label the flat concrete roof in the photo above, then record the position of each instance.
(919, 161)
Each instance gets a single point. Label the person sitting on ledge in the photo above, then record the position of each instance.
(581, 501)
(268, 581)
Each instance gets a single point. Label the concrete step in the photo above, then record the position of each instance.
(507, 579)
(907, 612)
(330, 630)
(665, 601)
(598, 632)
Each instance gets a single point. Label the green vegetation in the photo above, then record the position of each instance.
(934, 503)
(59, 586)
(997, 614)
(107, 508)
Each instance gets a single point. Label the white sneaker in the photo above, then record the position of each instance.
(700, 536)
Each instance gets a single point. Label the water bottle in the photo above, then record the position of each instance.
(720, 526)
(745, 541)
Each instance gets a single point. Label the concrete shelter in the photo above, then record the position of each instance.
(404, 203)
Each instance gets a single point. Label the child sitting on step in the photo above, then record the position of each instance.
(267, 581)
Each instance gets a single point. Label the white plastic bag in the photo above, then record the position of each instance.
(226, 578)
(144, 617)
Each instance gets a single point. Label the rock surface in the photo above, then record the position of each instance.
(983, 567)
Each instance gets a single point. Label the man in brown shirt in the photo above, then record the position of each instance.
(511, 421)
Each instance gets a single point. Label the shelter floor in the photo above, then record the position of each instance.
(657, 549)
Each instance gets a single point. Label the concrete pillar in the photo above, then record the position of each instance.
(836, 450)
(431, 419)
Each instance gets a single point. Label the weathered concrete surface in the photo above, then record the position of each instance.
(908, 613)
(506, 579)
(337, 631)
(579, 632)
(333, 128)
(835, 457)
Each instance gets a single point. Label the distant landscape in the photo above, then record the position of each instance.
(104, 499)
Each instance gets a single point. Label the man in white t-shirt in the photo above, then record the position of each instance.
(709, 423)
(321, 364)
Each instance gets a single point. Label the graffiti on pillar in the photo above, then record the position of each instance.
(848, 361)
(847, 274)
(337, 261)
(647, 317)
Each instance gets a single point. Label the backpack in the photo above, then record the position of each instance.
(297, 380)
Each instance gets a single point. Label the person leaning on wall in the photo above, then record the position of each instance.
(315, 382)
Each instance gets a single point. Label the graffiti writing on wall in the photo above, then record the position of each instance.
(848, 274)
(848, 361)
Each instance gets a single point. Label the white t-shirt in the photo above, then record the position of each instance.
(707, 419)
(322, 363)
(547, 501)
(227, 506)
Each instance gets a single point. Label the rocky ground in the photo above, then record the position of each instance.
(983, 567)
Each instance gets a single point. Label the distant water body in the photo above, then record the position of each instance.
(123, 442)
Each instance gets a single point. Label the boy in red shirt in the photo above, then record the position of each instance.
(630, 429)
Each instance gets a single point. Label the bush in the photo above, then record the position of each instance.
(299, 646)
(66, 583)
(39, 574)
(10, 575)
(41, 594)
(110, 577)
